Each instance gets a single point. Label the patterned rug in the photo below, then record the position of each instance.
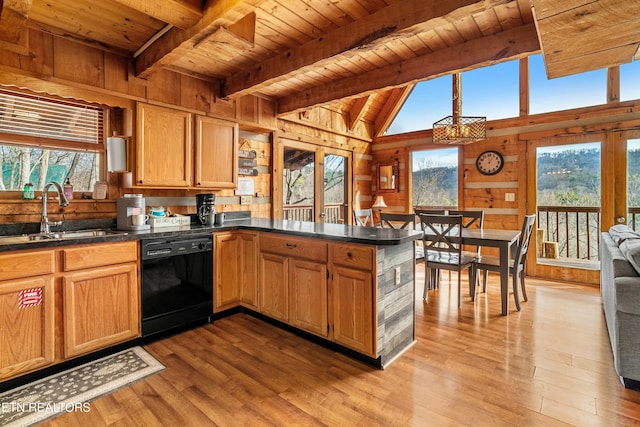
(73, 389)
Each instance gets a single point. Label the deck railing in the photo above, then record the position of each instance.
(574, 230)
(333, 213)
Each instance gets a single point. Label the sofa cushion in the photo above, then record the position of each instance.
(627, 291)
(631, 250)
(620, 233)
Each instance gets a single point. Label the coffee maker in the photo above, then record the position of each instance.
(206, 208)
(128, 206)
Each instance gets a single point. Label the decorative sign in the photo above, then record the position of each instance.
(29, 297)
(246, 154)
(248, 171)
(247, 163)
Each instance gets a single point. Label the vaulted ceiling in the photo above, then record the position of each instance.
(346, 54)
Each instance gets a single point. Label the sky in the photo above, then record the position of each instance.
(493, 92)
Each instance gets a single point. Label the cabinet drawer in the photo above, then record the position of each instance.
(96, 255)
(294, 246)
(26, 264)
(360, 257)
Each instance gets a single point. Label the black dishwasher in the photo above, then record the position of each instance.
(176, 281)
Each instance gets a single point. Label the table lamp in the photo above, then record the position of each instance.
(379, 203)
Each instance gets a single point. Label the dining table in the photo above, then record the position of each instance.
(495, 238)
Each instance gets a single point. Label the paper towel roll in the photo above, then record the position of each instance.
(116, 154)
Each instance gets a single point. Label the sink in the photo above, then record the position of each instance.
(62, 235)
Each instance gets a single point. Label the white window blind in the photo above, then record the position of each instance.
(42, 117)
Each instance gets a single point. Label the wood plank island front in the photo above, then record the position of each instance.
(348, 286)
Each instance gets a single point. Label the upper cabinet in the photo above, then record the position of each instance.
(170, 154)
(216, 150)
(164, 147)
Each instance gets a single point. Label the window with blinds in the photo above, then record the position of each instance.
(45, 139)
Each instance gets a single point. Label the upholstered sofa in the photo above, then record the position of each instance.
(620, 290)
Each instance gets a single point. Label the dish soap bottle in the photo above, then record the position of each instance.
(27, 192)
(67, 189)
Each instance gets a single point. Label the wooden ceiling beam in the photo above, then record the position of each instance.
(179, 13)
(514, 43)
(13, 18)
(579, 36)
(399, 20)
(358, 110)
(176, 43)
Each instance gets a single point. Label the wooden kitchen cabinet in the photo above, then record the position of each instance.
(308, 296)
(352, 301)
(164, 147)
(27, 319)
(216, 153)
(236, 270)
(100, 296)
(293, 281)
(274, 286)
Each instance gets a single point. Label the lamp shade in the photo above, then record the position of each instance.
(379, 202)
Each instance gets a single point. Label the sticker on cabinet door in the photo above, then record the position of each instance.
(29, 297)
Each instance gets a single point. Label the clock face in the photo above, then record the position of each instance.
(489, 163)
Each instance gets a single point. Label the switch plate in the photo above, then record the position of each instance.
(397, 278)
(245, 200)
(509, 197)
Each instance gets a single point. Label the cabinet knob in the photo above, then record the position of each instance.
(291, 245)
(349, 254)
(140, 181)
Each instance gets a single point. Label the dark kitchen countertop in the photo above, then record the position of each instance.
(333, 232)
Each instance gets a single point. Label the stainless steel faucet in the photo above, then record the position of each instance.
(45, 225)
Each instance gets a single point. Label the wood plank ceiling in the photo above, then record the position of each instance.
(350, 55)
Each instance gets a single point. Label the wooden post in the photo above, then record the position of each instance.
(540, 242)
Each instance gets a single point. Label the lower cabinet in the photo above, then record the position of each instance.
(235, 270)
(274, 286)
(352, 302)
(325, 288)
(56, 304)
(308, 296)
(100, 308)
(352, 287)
(27, 325)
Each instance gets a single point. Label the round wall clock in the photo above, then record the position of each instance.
(490, 162)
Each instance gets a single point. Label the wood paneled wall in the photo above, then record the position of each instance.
(64, 68)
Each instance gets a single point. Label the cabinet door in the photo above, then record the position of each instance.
(308, 296)
(27, 325)
(227, 266)
(164, 147)
(101, 307)
(249, 271)
(353, 320)
(274, 286)
(216, 153)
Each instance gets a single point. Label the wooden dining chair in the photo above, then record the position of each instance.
(363, 217)
(473, 219)
(442, 235)
(516, 263)
(402, 221)
(434, 274)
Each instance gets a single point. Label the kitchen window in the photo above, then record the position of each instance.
(45, 139)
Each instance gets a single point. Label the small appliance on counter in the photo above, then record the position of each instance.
(130, 208)
(206, 208)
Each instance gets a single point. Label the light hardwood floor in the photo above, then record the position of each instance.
(548, 365)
